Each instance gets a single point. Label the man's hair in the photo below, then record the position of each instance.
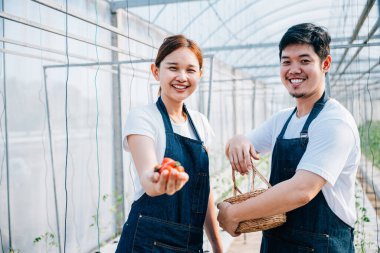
(310, 34)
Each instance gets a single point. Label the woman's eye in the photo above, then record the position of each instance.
(173, 68)
(191, 71)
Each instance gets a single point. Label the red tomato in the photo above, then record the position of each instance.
(169, 164)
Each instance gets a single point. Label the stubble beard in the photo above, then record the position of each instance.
(297, 95)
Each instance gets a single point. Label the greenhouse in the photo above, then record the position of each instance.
(88, 112)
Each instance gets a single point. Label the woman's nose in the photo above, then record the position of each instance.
(181, 76)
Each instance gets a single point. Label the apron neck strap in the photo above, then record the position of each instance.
(165, 116)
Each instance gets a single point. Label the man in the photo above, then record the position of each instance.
(315, 154)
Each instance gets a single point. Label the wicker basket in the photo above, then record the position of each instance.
(254, 224)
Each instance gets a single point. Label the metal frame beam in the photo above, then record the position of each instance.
(275, 44)
(277, 65)
(331, 74)
(358, 26)
(100, 24)
(138, 3)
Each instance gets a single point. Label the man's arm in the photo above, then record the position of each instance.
(239, 151)
(283, 197)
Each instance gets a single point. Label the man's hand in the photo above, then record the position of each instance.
(225, 220)
(239, 151)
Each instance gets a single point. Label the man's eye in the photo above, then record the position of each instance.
(173, 68)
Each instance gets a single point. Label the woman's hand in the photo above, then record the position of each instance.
(239, 151)
(164, 183)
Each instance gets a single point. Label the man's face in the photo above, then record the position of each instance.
(302, 71)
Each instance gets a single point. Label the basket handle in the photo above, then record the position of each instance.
(255, 172)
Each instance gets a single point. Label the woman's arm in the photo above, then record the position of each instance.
(144, 157)
(212, 227)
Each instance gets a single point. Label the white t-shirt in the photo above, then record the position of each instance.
(333, 151)
(147, 121)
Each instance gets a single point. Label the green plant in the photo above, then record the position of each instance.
(370, 141)
(47, 240)
(361, 242)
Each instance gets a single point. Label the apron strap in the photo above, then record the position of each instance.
(281, 135)
(165, 116)
(317, 108)
(192, 123)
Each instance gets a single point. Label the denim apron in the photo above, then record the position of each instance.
(313, 227)
(172, 223)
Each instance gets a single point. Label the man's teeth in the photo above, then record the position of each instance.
(296, 80)
(179, 87)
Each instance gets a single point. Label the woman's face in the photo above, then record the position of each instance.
(178, 74)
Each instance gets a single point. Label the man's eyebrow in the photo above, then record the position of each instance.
(301, 55)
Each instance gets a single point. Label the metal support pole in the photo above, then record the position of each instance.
(6, 151)
(52, 162)
(253, 105)
(327, 87)
(234, 118)
(117, 133)
(210, 87)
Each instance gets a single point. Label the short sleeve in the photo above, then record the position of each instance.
(141, 122)
(330, 144)
(262, 136)
(208, 132)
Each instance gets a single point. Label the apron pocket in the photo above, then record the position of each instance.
(278, 245)
(200, 193)
(159, 247)
(157, 235)
(298, 241)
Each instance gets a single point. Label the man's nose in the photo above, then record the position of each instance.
(294, 69)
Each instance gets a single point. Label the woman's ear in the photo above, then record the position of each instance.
(155, 71)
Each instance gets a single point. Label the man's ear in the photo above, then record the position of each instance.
(155, 71)
(326, 64)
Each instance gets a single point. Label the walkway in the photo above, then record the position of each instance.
(249, 242)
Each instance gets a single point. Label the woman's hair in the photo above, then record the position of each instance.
(175, 42)
(308, 33)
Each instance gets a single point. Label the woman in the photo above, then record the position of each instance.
(170, 210)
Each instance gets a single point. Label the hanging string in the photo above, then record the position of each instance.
(369, 138)
(130, 95)
(66, 119)
(97, 123)
(151, 41)
(130, 58)
(41, 100)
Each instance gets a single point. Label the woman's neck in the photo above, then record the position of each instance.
(174, 109)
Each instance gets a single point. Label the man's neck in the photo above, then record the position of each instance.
(305, 105)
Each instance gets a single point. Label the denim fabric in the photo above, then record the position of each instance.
(172, 223)
(313, 227)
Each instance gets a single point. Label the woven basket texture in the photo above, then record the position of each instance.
(254, 224)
